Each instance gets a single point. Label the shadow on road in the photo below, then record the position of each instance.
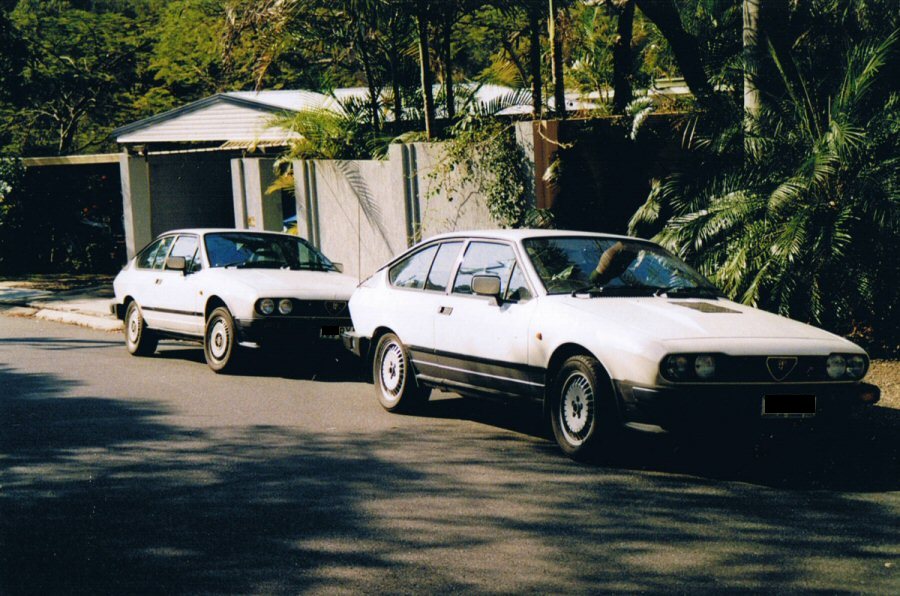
(59, 343)
(102, 496)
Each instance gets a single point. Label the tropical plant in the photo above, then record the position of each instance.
(807, 223)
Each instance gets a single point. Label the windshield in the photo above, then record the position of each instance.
(608, 265)
(246, 250)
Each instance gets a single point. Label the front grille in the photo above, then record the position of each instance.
(320, 308)
(754, 369)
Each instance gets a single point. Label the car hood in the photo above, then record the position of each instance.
(678, 319)
(311, 285)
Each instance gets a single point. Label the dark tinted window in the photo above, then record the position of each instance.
(485, 258)
(248, 250)
(442, 267)
(412, 271)
(186, 246)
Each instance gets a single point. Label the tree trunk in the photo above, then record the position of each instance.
(622, 59)
(394, 59)
(447, 60)
(751, 41)
(370, 82)
(425, 69)
(534, 59)
(559, 85)
(664, 14)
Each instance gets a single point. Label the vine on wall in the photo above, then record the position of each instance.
(482, 156)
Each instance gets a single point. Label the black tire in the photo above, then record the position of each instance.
(220, 347)
(139, 340)
(395, 383)
(582, 408)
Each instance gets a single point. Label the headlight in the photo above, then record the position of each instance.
(676, 367)
(856, 366)
(836, 366)
(267, 306)
(285, 306)
(705, 366)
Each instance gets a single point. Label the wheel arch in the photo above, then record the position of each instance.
(212, 303)
(559, 356)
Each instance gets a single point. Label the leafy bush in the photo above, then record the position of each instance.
(799, 215)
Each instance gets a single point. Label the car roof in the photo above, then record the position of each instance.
(523, 233)
(201, 231)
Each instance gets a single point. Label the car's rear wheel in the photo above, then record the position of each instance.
(582, 408)
(220, 347)
(139, 340)
(395, 381)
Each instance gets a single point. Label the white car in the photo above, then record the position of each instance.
(604, 330)
(231, 289)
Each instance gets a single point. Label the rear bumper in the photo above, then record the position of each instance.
(265, 331)
(727, 408)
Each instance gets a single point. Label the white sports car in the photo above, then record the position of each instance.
(230, 289)
(604, 330)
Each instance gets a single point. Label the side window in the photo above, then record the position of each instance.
(412, 271)
(154, 255)
(146, 258)
(159, 258)
(518, 288)
(442, 267)
(186, 246)
(485, 258)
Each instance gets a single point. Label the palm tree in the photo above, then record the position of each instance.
(808, 222)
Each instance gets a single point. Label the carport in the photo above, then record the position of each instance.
(207, 164)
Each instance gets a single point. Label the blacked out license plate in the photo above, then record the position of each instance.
(333, 331)
(789, 406)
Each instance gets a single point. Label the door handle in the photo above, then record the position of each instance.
(158, 281)
(445, 310)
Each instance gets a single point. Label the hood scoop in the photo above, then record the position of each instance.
(707, 307)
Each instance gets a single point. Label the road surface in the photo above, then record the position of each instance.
(131, 475)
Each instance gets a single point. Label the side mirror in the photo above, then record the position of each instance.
(339, 267)
(176, 263)
(487, 285)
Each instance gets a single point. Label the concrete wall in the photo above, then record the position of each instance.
(363, 212)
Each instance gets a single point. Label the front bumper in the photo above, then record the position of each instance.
(117, 310)
(738, 407)
(356, 343)
(281, 329)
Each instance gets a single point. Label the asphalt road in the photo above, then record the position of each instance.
(132, 475)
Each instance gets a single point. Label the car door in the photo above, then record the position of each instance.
(146, 279)
(418, 283)
(180, 300)
(483, 344)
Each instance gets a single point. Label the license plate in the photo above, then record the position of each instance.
(789, 406)
(333, 331)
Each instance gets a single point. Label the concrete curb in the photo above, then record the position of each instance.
(82, 320)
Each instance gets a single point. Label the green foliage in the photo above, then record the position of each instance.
(482, 156)
(11, 229)
(801, 216)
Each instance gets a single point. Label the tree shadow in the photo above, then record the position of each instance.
(99, 495)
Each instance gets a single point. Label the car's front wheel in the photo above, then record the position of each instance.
(220, 345)
(582, 408)
(139, 340)
(395, 382)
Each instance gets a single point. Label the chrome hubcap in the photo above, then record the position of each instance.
(218, 339)
(393, 370)
(577, 408)
(134, 326)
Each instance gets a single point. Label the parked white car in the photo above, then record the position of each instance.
(231, 289)
(604, 330)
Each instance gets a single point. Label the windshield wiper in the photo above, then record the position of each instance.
(686, 291)
(236, 264)
(594, 291)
